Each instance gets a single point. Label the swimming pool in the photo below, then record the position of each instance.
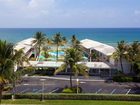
(60, 53)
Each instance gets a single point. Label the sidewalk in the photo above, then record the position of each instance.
(62, 77)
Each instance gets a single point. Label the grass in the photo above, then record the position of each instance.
(70, 102)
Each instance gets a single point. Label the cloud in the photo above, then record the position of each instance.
(26, 13)
(26, 8)
(65, 13)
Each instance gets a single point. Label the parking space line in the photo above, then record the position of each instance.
(113, 91)
(24, 90)
(82, 82)
(98, 91)
(40, 90)
(25, 84)
(35, 90)
(53, 90)
(128, 91)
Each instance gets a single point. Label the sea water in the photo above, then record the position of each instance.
(105, 35)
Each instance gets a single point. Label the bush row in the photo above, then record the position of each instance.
(126, 79)
(76, 97)
(122, 79)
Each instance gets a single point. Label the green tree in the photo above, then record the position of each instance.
(58, 40)
(133, 53)
(9, 58)
(75, 42)
(71, 59)
(120, 53)
(40, 41)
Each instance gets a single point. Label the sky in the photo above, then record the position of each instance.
(69, 13)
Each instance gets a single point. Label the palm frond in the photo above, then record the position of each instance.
(61, 68)
(82, 69)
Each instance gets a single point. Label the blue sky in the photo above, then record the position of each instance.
(69, 13)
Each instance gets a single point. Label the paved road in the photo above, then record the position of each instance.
(55, 84)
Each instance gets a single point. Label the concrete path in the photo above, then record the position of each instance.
(81, 78)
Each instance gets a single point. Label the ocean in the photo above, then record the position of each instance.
(105, 35)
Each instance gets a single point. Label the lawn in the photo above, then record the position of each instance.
(70, 102)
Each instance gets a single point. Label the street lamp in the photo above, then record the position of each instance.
(14, 82)
(42, 94)
(77, 84)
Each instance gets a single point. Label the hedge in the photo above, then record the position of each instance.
(122, 79)
(126, 79)
(76, 97)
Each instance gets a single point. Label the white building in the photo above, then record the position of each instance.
(28, 46)
(105, 66)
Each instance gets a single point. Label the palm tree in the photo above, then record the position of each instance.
(8, 59)
(58, 40)
(72, 57)
(120, 53)
(75, 42)
(40, 40)
(133, 53)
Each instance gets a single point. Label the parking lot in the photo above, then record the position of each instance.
(35, 85)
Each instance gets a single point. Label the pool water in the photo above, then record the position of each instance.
(60, 53)
(53, 55)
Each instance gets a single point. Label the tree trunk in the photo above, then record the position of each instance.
(39, 51)
(70, 80)
(121, 64)
(14, 84)
(70, 77)
(1, 88)
(57, 53)
(131, 69)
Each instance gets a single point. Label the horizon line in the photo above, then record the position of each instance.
(68, 27)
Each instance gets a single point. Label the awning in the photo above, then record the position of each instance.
(53, 64)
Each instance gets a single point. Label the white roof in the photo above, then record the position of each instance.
(100, 47)
(95, 65)
(26, 44)
(99, 65)
(45, 63)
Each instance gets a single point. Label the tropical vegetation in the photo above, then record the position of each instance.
(9, 59)
(119, 55)
(75, 43)
(71, 59)
(40, 40)
(129, 52)
(133, 55)
(58, 40)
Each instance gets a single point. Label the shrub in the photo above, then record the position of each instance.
(67, 90)
(7, 88)
(6, 96)
(76, 97)
(32, 59)
(122, 79)
(136, 79)
(72, 90)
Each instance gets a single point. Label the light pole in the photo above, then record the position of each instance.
(77, 84)
(42, 94)
(14, 82)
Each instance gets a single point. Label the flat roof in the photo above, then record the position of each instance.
(100, 47)
(53, 64)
